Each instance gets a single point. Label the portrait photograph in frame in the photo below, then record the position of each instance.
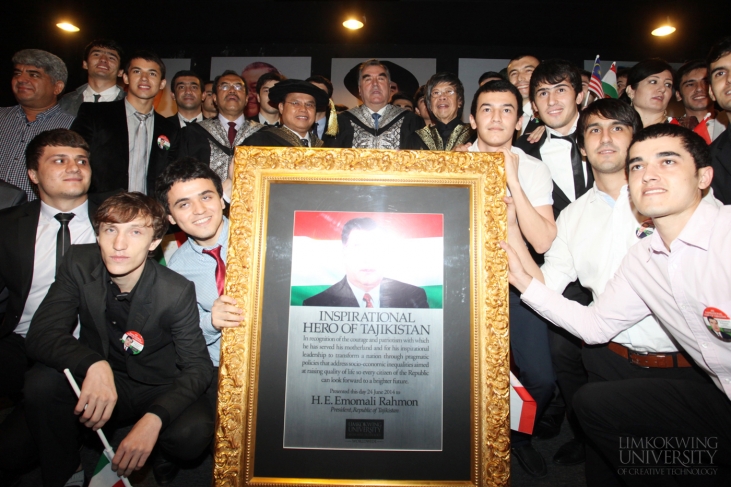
(374, 345)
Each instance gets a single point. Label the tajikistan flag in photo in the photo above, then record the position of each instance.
(415, 256)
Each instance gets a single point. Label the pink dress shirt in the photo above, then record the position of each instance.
(676, 287)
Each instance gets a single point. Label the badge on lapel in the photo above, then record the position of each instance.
(163, 142)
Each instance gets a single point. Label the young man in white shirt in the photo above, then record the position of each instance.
(496, 115)
(680, 274)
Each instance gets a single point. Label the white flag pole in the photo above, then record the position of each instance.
(108, 451)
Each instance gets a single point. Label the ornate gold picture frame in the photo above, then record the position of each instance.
(483, 359)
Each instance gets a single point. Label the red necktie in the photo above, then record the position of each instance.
(231, 132)
(220, 267)
(368, 299)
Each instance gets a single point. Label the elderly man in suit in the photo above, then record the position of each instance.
(364, 285)
(130, 142)
(103, 63)
(114, 292)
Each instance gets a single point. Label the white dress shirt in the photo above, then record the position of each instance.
(533, 175)
(224, 122)
(375, 294)
(677, 286)
(184, 122)
(556, 153)
(44, 262)
(594, 234)
(527, 115)
(715, 128)
(306, 137)
(110, 94)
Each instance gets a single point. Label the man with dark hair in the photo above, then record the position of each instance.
(375, 124)
(38, 78)
(209, 106)
(213, 141)
(103, 63)
(520, 70)
(489, 76)
(187, 91)
(129, 140)
(326, 120)
(496, 117)
(585, 80)
(420, 107)
(38, 234)
(113, 290)
(364, 285)
(555, 93)
(445, 102)
(622, 73)
(268, 115)
(192, 195)
(680, 274)
(251, 74)
(719, 73)
(297, 102)
(691, 82)
(402, 100)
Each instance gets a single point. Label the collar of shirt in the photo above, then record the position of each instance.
(595, 193)
(110, 94)
(51, 111)
(81, 212)
(528, 110)
(306, 137)
(197, 118)
(551, 132)
(264, 121)
(224, 122)
(375, 294)
(222, 241)
(380, 112)
(697, 232)
(132, 110)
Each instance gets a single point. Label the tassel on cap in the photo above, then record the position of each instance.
(332, 122)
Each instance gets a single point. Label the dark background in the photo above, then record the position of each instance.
(572, 29)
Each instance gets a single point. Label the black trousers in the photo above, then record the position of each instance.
(14, 364)
(604, 365)
(49, 404)
(658, 431)
(531, 353)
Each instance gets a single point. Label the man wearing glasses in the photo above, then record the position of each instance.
(375, 124)
(297, 101)
(213, 141)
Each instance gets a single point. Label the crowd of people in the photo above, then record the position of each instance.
(610, 203)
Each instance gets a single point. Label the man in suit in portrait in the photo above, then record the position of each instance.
(103, 63)
(37, 236)
(113, 290)
(364, 285)
(130, 142)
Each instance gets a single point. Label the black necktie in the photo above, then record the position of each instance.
(305, 142)
(96, 98)
(577, 165)
(63, 238)
(189, 122)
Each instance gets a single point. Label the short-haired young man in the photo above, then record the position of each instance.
(38, 78)
(187, 91)
(192, 195)
(268, 115)
(130, 142)
(103, 63)
(520, 70)
(719, 74)
(691, 83)
(208, 107)
(681, 275)
(495, 115)
(114, 291)
(323, 118)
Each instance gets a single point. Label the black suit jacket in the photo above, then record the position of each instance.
(104, 127)
(721, 163)
(11, 195)
(163, 310)
(17, 248)
(394, 294)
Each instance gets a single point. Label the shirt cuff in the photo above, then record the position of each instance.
(536, 293)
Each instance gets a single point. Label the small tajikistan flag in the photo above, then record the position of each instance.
(104, 476)
(170, 243)
(609, 83)
(415, 243)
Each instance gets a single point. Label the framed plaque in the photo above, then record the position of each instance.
(374, 349)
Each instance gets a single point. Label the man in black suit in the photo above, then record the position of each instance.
(130, 142)
(187, 92)
(113, 290)
(719, 70)
(555, 94)
(364, 285)
(35, 238)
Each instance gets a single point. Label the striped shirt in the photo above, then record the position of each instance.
(15, 134)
